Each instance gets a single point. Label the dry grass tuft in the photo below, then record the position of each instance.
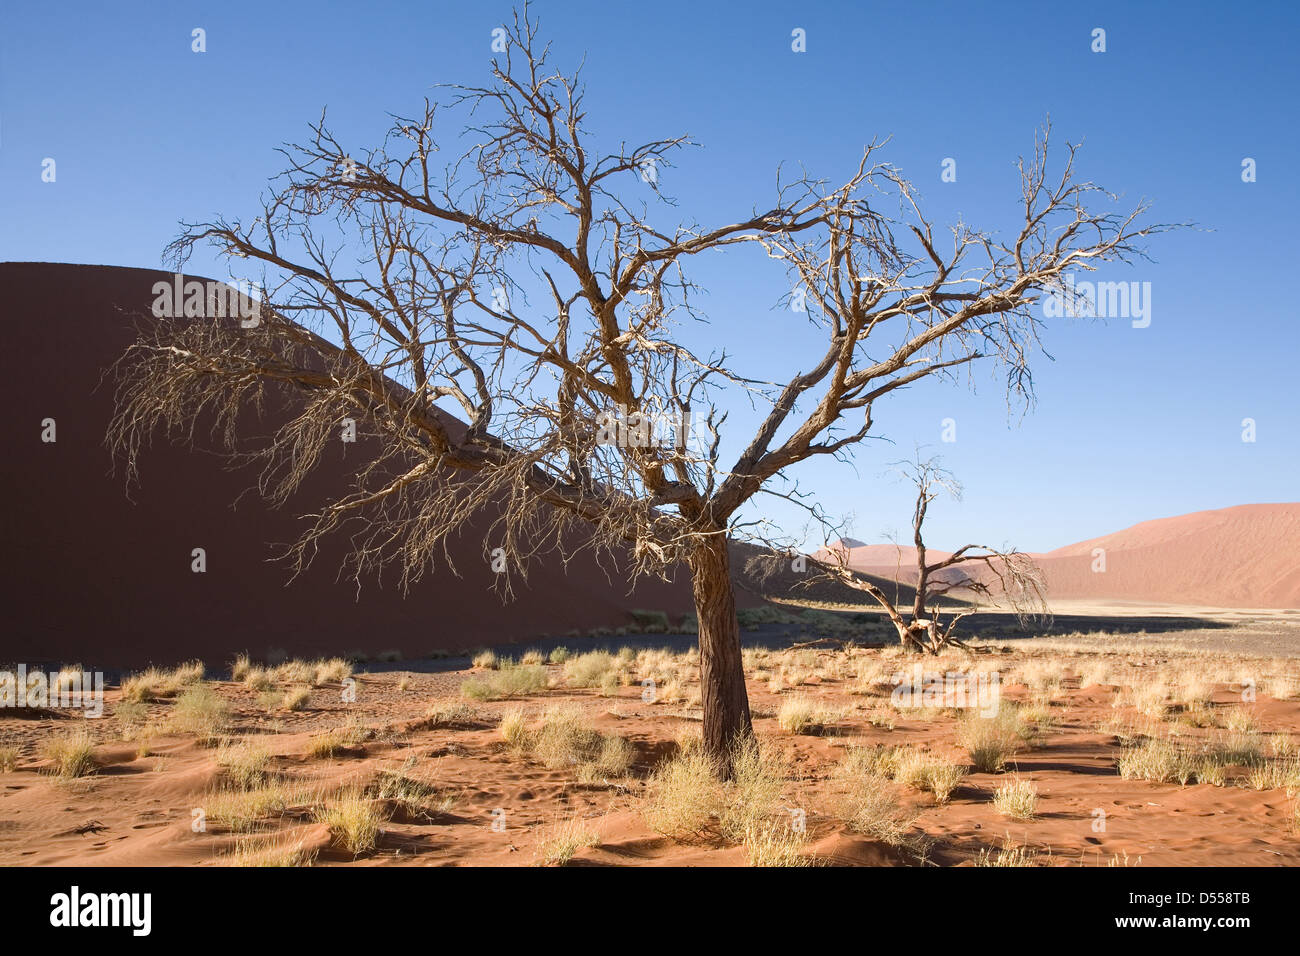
(1017, 799)
(871, 807)
(354, 821)
(296, 698)
(199, 710)
(263, 852)
(71, 754)
(775, 843)
(991, 740)
(1011, 854)
(508, 680)
(559, 844)
(155, 684)
(244, 763)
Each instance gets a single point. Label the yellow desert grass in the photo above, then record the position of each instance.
(1276, 775)
(199, 710)
(335, 670)
(1010, 854)
(565, 737)
(244, 764)
(562, 840)
(415, 796)
(592, 669)
(685, 797)
(775, 843)
(1017, 799)
(991, 740)
(354, 821)
(296, 698)
(514, 728)
(156, 684)
(871, 807)
(269, 852)
(245, 810)
(803, 715)
(328, 743)
(927, 772)
(508, 680)
(70, 754)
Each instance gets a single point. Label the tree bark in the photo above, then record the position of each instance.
(722, 673)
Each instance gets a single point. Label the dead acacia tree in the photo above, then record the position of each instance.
(973, 574)
(500, 328)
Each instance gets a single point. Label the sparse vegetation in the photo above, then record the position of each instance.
(200, 710)
(70, 754)
(991, 740)
(509, 680)
(803, 715)
(559, 844)
(263, 852)
(871, 807)
(774, 843)
(244, 763)
(330, 743)
(1017, 799)
(354, 821)
(415, 796)
(154, 684)
(296, 698)
(1010, 854)
(590, 669)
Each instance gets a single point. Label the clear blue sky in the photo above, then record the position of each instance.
(1130, 424)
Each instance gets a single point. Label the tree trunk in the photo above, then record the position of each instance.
(722, 674)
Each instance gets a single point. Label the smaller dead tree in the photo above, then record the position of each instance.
(979, 575)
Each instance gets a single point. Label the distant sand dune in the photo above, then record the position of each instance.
(1231, 557)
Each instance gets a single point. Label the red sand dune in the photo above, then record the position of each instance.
(93, 577)
(1232, 557)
